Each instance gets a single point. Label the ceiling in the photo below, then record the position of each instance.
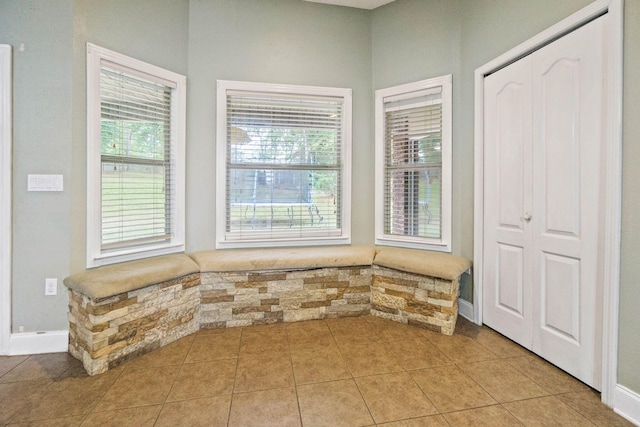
(361, 4)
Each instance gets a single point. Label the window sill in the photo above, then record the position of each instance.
(280, 243)
(133, 254)
(411, 244)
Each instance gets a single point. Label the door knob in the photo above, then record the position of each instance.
(527, 217)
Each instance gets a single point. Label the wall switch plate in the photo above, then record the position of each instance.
(45, 182)
(50, 286)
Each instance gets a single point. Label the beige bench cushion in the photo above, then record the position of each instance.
(110, 280)
(283, 258)
(434, 264)
(115, 279)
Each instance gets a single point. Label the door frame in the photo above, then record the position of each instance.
(613, 174)
(5, 196)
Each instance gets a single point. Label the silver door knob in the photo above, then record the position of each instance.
(527, 217)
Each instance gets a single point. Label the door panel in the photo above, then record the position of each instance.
(507, 287)
(511, 116)
(560, 111)
(561, 289)
(542, 167)
(568, 117)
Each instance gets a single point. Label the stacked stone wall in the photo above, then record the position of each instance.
(104, 333)
(418, 300)
(259, 297)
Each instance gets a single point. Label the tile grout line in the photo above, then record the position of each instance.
(14, 367)
(365, 402)
(101, 397)
(235, 376)
(295, 382)
(293, 375)
(32, 397)
(175, 378)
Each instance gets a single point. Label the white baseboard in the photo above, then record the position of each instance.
(38, 342)
(626, 403)
(465, 309)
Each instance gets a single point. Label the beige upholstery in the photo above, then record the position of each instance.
(284, 258)
(115, 279)
(434, 264)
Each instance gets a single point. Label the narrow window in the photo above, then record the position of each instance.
(136, 158)
(413, 164)
(283, 165)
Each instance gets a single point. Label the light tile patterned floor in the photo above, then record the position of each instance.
(339, 372)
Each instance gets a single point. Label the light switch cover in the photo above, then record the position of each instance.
(45, 182)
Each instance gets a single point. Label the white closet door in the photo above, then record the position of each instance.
(543, 134)
(507, 197)
(568, 116)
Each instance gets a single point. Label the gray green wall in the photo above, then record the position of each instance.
(50, 127)
(154, 31)
(629, 338)
(41, 145)
(418, 39)
(274, 41)
(280, 41)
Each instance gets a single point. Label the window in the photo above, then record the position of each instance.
(413, 165)
(284, 166)
(135, 158)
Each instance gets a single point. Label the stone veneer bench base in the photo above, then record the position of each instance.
(417, 287)
(118, 312)
(252, 287)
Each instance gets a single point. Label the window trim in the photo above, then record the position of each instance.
(444, 243)
(96, 256)
(6, 150)
(344, 237)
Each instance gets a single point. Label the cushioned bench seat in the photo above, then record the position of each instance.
(433, 264)
(120, 311)
(284, 258)
(110, 280)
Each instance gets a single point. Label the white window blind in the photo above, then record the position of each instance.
(135, 158)
(137, 176)
(413, 165)
(284, 165)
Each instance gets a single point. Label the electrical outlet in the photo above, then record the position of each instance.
(51, 286)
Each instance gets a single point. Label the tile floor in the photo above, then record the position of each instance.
(339, 372)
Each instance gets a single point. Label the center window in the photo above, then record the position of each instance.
(283, 165)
